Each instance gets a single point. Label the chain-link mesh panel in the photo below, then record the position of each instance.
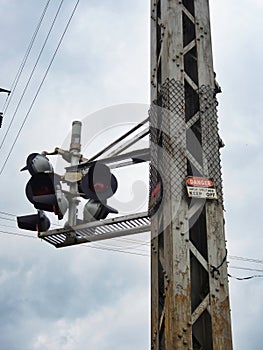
(210, 137)
(154, 175)
(168, 141)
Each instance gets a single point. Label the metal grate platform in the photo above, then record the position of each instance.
(98, 230)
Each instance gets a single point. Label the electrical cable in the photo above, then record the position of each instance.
(32, 73)
(135, 247)
(245, 278)
(17, 234)
(22, 65)
(2, 225)
(14, 220)
(39, 88)
(135, 253)
(6, 219)
(5, 213)
(257, 261)
(91, 246)
(114, 250)
(140, 243)
(244, 268)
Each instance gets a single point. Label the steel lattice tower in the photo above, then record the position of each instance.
(189, 284)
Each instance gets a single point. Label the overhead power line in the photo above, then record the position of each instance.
(24, 60)
(16, 234)
(8, 219)
(32, 72)
(245, 278)
(257, 261)
(137, 244)
(39, 88)
(244, 268)
(113, 250)
(5, 213)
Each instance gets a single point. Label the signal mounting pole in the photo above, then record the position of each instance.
(189, 284)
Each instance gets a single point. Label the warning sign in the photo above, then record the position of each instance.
(200, 187)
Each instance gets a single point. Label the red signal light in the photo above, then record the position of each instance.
(100, 187)
(99, 183)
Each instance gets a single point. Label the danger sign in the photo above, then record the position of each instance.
(200, 187)
(199, 182)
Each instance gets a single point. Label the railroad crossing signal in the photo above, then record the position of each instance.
(45, 192)
(98, 185)
(41, 190)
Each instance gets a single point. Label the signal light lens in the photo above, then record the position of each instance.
(99, 183)
(99, 187)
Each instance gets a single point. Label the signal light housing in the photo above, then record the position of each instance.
(36, 222)
(37, 163)
(41, 190)
(94, 210)
(99, 183)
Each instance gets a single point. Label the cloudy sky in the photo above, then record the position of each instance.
(86, 296)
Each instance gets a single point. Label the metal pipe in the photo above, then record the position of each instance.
(119, 139)
(74, 151)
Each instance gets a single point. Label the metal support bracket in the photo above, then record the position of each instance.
(98, 230)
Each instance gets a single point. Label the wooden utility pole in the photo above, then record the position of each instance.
(189, 284)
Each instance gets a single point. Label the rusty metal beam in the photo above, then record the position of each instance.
(189, 286)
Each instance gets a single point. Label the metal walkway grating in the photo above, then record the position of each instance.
(98, 230)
